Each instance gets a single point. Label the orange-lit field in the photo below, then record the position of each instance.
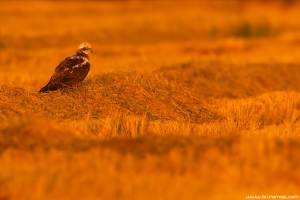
(184, 100)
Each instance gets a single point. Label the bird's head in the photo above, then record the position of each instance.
(85, 48)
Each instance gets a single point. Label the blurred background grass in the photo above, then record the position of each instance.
(142, 35)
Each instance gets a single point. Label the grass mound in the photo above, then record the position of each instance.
(130, 93)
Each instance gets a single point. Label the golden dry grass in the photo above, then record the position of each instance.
(185, 100)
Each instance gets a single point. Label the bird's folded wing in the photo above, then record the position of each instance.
(71, 70)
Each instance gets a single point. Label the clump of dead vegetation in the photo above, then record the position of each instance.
(127, 93)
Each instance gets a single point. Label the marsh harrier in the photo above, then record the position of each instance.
(72, 70)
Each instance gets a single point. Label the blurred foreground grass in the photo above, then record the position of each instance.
(64, 166)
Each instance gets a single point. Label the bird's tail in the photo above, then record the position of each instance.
(50, 87)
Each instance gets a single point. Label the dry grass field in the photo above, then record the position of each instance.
(184, 100)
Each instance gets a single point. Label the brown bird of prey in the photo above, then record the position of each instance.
(72, 70)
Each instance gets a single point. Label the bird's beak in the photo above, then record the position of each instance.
(91, 50)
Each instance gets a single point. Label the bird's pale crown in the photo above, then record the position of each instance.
(85, 47)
